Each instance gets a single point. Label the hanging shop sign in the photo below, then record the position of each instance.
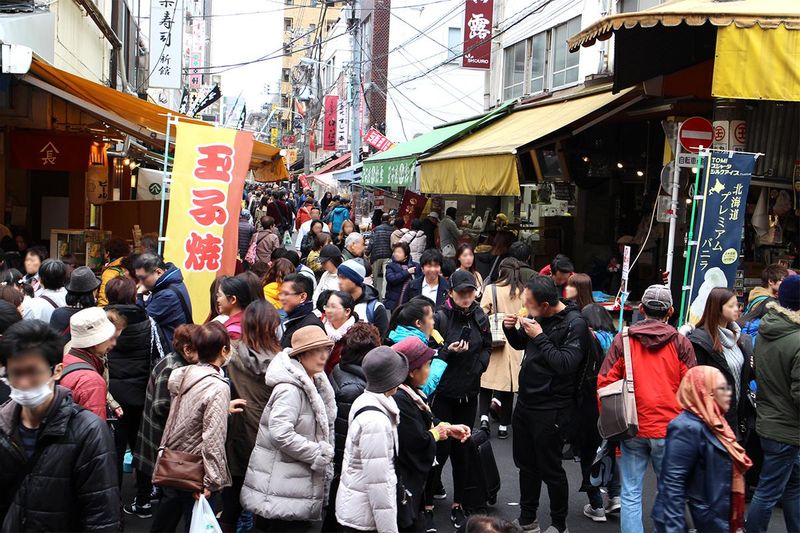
(49, 150)
(197, 53)
(377, 140)
(149, 183)
(720, 222)
(97, 190)
(694, 133)
(342, 120)
(166, 43)
(391, 173)
(411, 207)
(208, 176)
(721, 136)
(738, 135)
(478, 34)
(331, 103)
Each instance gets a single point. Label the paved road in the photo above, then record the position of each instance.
(508, 500)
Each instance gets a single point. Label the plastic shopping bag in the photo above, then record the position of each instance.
(203, 519)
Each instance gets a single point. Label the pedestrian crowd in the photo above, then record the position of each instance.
(338, 371)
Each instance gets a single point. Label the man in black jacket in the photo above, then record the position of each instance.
(432, 284)
(556, 341)
(57, 470)
(295, 297)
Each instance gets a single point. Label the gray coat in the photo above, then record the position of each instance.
(292, 463)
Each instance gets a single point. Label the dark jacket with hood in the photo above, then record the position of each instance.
(777, 360)
(416, 445)
(741, 416)
(660, 357)
(70, 483)
(348, 382)
(462, 377)
(164, 304)
(246, 230)
(379, 317)
(696, 472)
(298, 318)
(133, 358)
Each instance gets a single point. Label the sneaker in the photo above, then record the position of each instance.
(554, 529)
(485, 424)
(494, 409)
(457, 517)
(430, 527)
(440, 494)
(533, 527)
(596, 515)
(246, 522)
(155, 495)
(502, 432)
(140, 511)
(614, 505)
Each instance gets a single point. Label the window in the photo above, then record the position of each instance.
(565, 64)
(289, 2)
(287, 24)
(285, 73)
(538, 62)
(514, 70)
(628, 6)
(455, 43)
(287, 49)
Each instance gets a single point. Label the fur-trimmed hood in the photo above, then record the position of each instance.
(779, 322)
(284, 369)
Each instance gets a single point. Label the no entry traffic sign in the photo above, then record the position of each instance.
(694, 133)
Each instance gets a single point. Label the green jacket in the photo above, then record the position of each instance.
(777, 362)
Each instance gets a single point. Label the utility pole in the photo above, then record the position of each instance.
(355, 86)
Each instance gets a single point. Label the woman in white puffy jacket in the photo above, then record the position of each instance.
(416, 239)
(367, 497)
(291, 466)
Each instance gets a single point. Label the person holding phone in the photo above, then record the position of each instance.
(467, 347)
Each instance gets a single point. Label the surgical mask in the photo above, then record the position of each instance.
(32, 397)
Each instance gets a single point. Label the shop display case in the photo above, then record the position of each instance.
(88, 246)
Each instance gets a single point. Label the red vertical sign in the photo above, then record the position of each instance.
(478, 34)
(329, 127)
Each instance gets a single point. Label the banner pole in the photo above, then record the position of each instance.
(689, 241)
(673, 217)
(164, 181)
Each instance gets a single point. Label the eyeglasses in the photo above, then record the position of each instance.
(285, 293)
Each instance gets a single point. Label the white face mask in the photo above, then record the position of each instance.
(32, 397)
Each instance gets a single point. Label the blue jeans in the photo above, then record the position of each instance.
(780, 478)
(632, 465)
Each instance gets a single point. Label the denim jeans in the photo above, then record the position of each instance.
(636, 453)
(780, 479)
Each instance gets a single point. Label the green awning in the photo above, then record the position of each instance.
(396, 166)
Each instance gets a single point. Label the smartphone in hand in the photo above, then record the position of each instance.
(466, 333)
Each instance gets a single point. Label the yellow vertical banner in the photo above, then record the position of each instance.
(205, 199)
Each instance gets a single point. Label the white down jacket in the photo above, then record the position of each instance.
(291, 466)
(367, 498)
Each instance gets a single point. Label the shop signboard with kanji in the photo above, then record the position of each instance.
(719, 223)
(205, 199)
(49, 150)
(377, 140)
(331, 104)
(166, 43)
(478, 34)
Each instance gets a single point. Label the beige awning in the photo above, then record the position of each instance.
(768, 14)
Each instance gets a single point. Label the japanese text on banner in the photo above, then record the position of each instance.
(205, 200)
(720, 222)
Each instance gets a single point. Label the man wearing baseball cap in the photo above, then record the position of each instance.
(660, 357)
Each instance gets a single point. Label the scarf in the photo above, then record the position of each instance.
(416, 397)
(336, 334)
(733, 354)
(695, 395)
(402, 332)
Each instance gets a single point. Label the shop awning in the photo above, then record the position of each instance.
(484, 163)
(767, 14)
(335, 164)
(396, 166)
(134, 116)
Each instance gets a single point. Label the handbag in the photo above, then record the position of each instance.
(174, 469)
(496, 322)
(251, 257)
(618, 417)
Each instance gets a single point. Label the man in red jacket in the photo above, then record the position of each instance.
(93, 336)
(660, 357)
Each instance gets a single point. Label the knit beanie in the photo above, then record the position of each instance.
(353, 270)
(384, 369)
(789, 293)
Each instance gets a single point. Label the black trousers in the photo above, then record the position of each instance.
(537, 443)
(454, 411)
(231, 506)
(175, 504)
(506, 399)
(126, 429)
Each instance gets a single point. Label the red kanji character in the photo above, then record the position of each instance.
(210, 207)
(203, 253)
(217, 163)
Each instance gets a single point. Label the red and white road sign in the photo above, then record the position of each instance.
(694, 133)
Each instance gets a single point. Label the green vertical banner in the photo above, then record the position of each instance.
(719, 224)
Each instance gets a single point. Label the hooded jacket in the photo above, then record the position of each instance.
(138, 348)
(201, 420)
(337, 218)
(164, 305)
(462, 377)
(548, 376)
(660, 357)
(291, 465)
(367, 497)
(777, 362)
(379, 316)
(741, 415)
(72, 486)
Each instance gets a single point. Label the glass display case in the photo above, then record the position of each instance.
(87, 245)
